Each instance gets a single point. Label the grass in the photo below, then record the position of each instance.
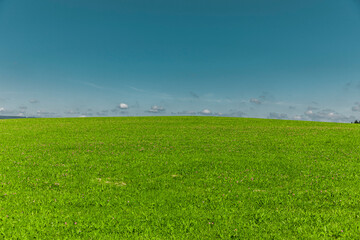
(178, 178)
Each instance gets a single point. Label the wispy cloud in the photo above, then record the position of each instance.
(93, 85)
(194, 95)
(326, 115)
(311, 108)
(266, 96)
(191, 113)
(351, 86)
(153, 93)
(41, 113)
(356, 108)
(33, 101)
(235, 113)
(275, 115)
(204, 99)
(103, 113)
(72, 112)
(256, 101)
(137, 89)
(4, 111)
(156, 109)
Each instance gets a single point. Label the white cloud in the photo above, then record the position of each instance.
(326, 115)
(12, 112)
(156, 109)
(255, 100)
(6, 111)
(206, 112)
(123, 106)
(308, 112)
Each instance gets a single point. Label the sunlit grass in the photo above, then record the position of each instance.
(178, 178)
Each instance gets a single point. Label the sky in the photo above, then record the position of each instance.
(279, 59)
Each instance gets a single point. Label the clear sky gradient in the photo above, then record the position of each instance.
(288, 59)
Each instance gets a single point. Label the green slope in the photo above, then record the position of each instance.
(178, 178)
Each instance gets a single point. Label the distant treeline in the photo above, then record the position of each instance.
(356, 121)
(10, 117)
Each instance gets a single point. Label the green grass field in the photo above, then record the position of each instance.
(178, 178)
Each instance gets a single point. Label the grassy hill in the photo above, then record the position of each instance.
(178, 178)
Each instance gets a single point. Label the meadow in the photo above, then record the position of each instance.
(178, 178)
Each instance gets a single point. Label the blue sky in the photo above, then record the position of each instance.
(287, 59)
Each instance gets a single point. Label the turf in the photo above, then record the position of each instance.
(178, 178)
